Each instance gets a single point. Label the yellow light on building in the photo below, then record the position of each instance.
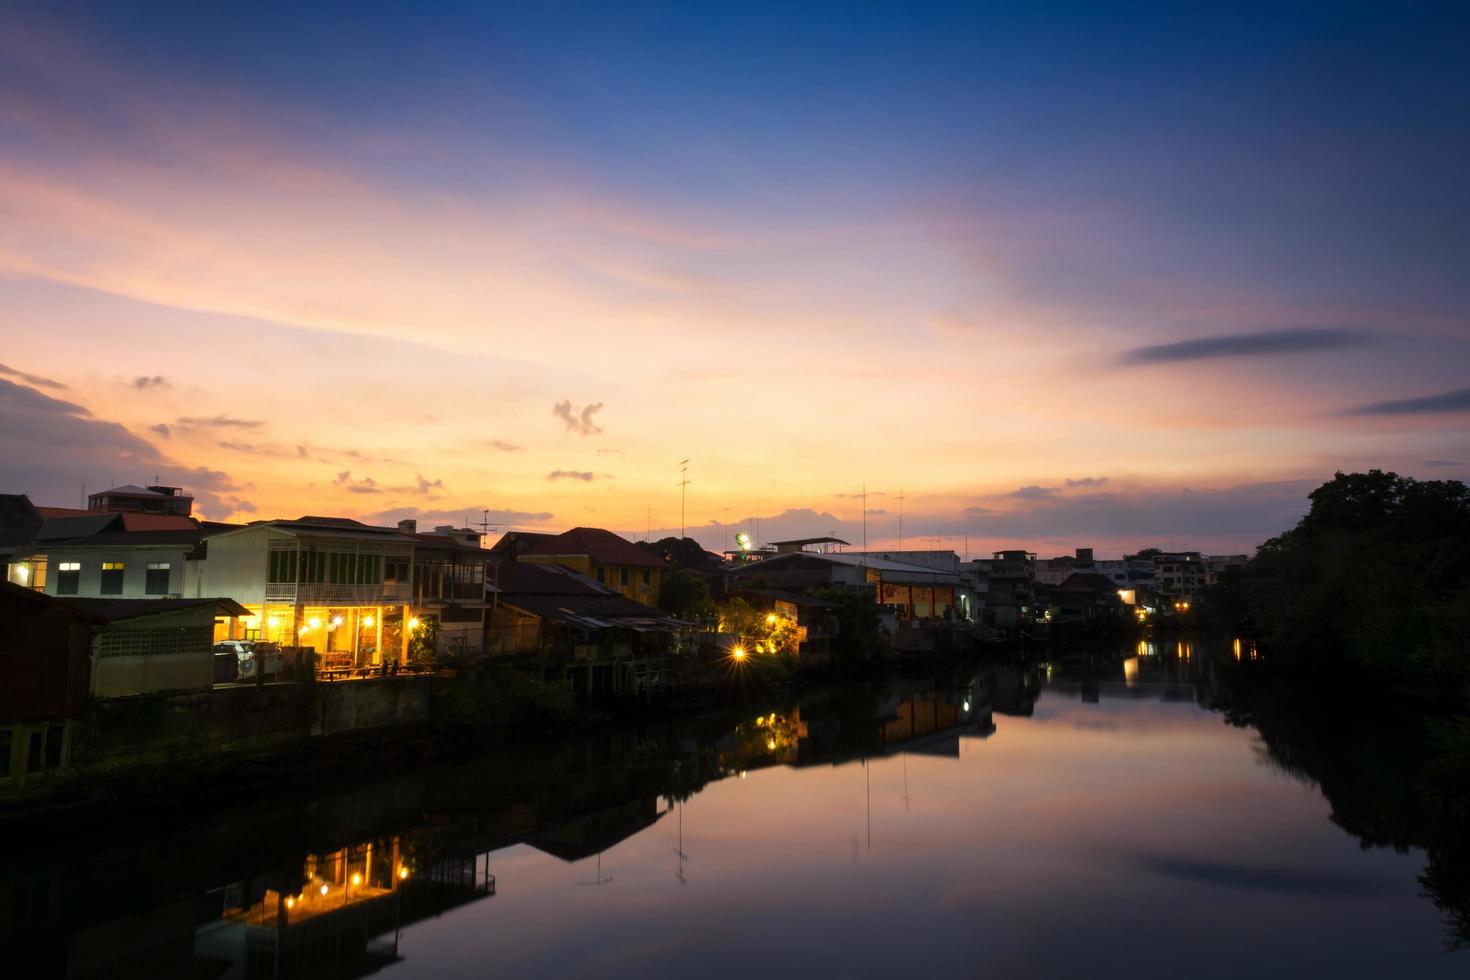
(325, 889)
(272, 621)
(314, 622)
(770, 619)
(402, 873)
(368, 621)
(738, 653)
(771, 744)
(356, 878)
(290, 901)
(336, 621)
(413, 622)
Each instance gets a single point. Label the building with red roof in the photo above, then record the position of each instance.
(614, 561)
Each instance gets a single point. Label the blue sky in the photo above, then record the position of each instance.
(979, 204)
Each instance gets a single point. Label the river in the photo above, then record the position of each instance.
(1165, 809)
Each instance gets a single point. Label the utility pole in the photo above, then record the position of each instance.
(727, 529)
(865, 517)
(683, 490)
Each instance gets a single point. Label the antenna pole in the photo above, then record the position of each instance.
(900, 517)
(683, 490)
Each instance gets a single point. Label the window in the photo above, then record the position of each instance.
(33, 756)
(623, 577)
(395, 569)
(281, 567)
(112, 578)
(156, 580)
(54, 736)
(68, 577)
(647, 577)
(7, 738)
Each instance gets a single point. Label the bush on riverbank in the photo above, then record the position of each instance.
(491, 701)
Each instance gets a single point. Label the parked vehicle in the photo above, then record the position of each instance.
(244, 658)
(267, 657)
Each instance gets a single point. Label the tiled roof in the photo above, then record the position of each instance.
(133, 521)
(19, 521)
(115, 609)
(539, 579)
(602, 546)
(60, 528)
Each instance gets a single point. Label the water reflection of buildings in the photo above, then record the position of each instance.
(342, 913)
(916, 716)
(1183, 669)
(323, 886)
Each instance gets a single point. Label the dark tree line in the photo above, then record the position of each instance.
(1376, 577)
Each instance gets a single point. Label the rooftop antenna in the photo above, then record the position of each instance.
(865, 517)
(485, 526)
(901, 499)
(727, 529)
(599, 880)
(683, 490)
(679, 851)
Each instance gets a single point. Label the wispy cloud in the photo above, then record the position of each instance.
(469, 516)
(35, 380)
(1088, 481)
(144, 382)
(500, 445)
(1033, 492)
(1450, 401)
(218, 422)
(365, 484)
(1266, 342)
(586, 476)
(161, 429)
(48, 447)
(422, 485)
(578, 420)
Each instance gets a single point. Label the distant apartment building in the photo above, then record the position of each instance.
(143, 500)
(1127, 573)
(1055, 571)
(1215, 564)
(1179, 574)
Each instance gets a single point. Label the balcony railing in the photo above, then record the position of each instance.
(329, 594)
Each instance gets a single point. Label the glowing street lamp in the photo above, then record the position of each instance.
(738, 653)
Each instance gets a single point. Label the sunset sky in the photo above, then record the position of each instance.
(1110, 275)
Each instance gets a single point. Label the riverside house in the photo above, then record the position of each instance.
(339, 587)
(602, 555)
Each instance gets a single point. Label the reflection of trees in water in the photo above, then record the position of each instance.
(1393, 778)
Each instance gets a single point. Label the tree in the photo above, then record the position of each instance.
(682, 552)
(1376, 576)
(860, 638)
(685, 595)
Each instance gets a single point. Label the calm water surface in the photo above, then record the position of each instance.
(1093, 813)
